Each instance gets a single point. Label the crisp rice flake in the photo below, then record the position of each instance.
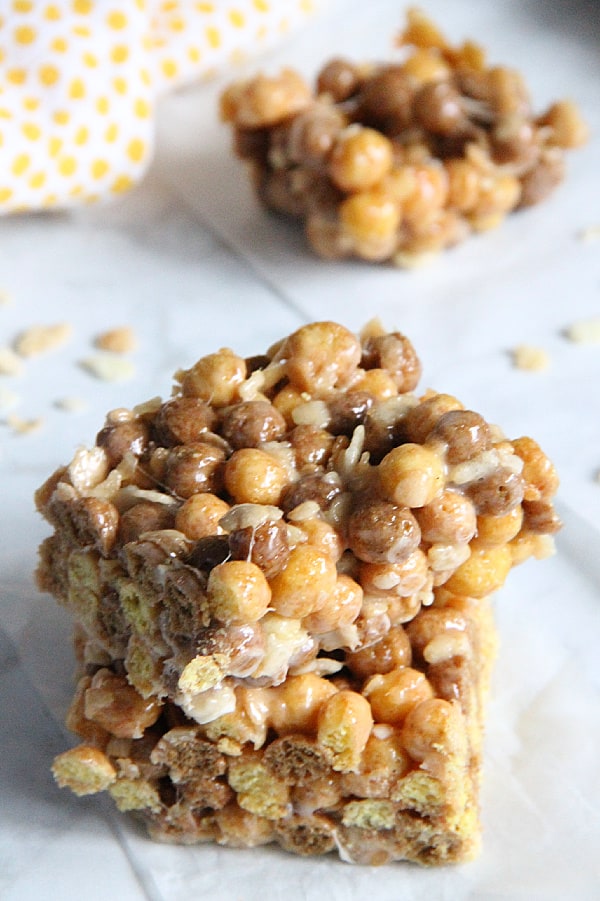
(121, 340)
(40, 339)
(585, 331)
(530, 358)
(590, 234)
(8, 399)
(71, 404)
(24, 426)
(10, 362)
(109, 367)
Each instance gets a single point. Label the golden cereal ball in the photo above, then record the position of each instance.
(393, 695)
(464, 181)
(305, 584)
(294, 706)
(450, 518)
(360, 159)
(484, 572)
(379, 383)
(433, 727)
(324, 537)
(429, 194)
(253, 476)
(496, 530)
(215, 378)
(411, 475)
(341, 607)
(238, 592)
(370, 216)
(321, 356)
(198, 517)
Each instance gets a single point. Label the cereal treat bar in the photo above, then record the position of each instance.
(394, 162)
(280, 579)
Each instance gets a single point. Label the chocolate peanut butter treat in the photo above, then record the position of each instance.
(395, 161)
(280, 579)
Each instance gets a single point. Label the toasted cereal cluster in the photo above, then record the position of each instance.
(394, 162)
(280, 581)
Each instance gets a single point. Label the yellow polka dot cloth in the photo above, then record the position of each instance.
(79, 81)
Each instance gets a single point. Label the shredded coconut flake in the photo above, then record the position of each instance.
(244, 516)
(131, 495)
(305, 510)
(477, 468)
(313, 412)
(88, 468)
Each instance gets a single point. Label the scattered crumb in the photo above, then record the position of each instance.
(71, 404)
(10, 363)
(411, 260)
(586, 331)
(8, 399)
(41, 338)
(109, 367)
(530, 358)
(24, 426)
(590, 234)
(120, 340)
(6, 298)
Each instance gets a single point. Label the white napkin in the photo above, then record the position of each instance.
(79, 80)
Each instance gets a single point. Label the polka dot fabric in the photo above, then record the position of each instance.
(79, 80)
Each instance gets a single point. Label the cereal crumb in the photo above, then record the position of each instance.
(42, 338)
(24, 426)
(8, 399)
(586, 331)
(6, 298)
(120, 340)
(530, 358)
(109, 367)
(10, 363)
(411, 260)
(590, 234)
(71, 404)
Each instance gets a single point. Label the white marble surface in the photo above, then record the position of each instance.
(193, 265)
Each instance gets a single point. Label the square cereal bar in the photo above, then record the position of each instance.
(280, 580)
